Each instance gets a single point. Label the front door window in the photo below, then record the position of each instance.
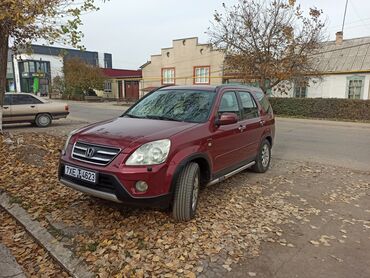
(229, 104)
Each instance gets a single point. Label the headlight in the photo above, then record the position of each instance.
(73, 132)
(152, 153)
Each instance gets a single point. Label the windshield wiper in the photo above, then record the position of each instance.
(156, 117)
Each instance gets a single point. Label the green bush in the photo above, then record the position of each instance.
(322, 108)
(73, 94)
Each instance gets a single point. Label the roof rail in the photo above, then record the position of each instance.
(161, 87)
(238, 86)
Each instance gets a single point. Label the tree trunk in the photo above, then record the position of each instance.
(4, 46)
(262, 83)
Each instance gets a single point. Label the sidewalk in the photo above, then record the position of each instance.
(113, 105)
(324, 122)
(8, 265)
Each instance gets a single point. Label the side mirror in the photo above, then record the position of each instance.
(227, 119)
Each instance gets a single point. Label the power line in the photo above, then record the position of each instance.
(350, 23)
(356, 12)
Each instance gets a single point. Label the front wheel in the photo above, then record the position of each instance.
(187, 192)
(263, 158)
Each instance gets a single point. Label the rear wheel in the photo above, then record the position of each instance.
(187, 192)
(263, 157)
(43, 120)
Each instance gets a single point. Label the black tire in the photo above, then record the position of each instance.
(187, 192)
(43, 120)
(262, 165)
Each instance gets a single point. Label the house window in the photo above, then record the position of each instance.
(31, 66)
(168, 76)
(355, 87)
(107, 86)
(300, 91)
(202, 75)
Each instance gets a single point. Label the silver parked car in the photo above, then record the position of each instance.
(23, 107)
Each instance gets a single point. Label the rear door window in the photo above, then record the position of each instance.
(249, 106)
(25, 99)
(264, 102)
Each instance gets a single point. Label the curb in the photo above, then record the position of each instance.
(75, 267)
(9, 267)
(324, 122)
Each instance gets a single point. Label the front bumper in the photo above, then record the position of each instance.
(109, 187)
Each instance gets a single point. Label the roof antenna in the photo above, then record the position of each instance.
(344, 17)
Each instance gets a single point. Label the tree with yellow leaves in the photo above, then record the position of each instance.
(22, 21)
(80, 77)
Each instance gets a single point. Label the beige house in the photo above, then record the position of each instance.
(185, 63)
(121, 84)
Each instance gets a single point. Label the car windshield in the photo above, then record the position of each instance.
(174, 105)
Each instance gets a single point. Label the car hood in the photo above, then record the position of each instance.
(127, 132)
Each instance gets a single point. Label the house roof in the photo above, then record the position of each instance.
(352, 55)
(145, 64)
(122, 73)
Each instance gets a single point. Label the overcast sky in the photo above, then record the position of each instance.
(134, 30)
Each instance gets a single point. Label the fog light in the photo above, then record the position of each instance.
(141, 186)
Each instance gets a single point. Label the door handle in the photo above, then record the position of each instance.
(242, 128)
(262, 122)
(5, 107)
(32, 106)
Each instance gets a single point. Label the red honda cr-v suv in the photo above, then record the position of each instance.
(169, 144)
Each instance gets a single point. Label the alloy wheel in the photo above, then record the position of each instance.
(265, 155)
(195, 193)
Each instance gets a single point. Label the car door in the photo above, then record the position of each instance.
(266, 113)
(7, 108)
(251, 128)
(24, 107)
(226, 143)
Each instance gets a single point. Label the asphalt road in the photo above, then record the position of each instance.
(341, 144)
(335, 143)
(94, 112)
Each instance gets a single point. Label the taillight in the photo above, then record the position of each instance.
(66, 107)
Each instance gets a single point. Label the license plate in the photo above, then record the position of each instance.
(80, 173)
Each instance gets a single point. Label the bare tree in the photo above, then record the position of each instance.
(268, 41)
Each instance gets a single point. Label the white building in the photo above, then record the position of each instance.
(35, 72)
(345, 68)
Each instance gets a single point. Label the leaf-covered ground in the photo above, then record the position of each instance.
(233, 218)
(34, 260)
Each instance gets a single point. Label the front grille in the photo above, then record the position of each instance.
(94, 154)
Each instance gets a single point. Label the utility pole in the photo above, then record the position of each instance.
(344, 17)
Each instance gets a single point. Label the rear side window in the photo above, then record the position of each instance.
(25, 99)
(264, 102)
(7, 100)
(229, 104)
(250, 109)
